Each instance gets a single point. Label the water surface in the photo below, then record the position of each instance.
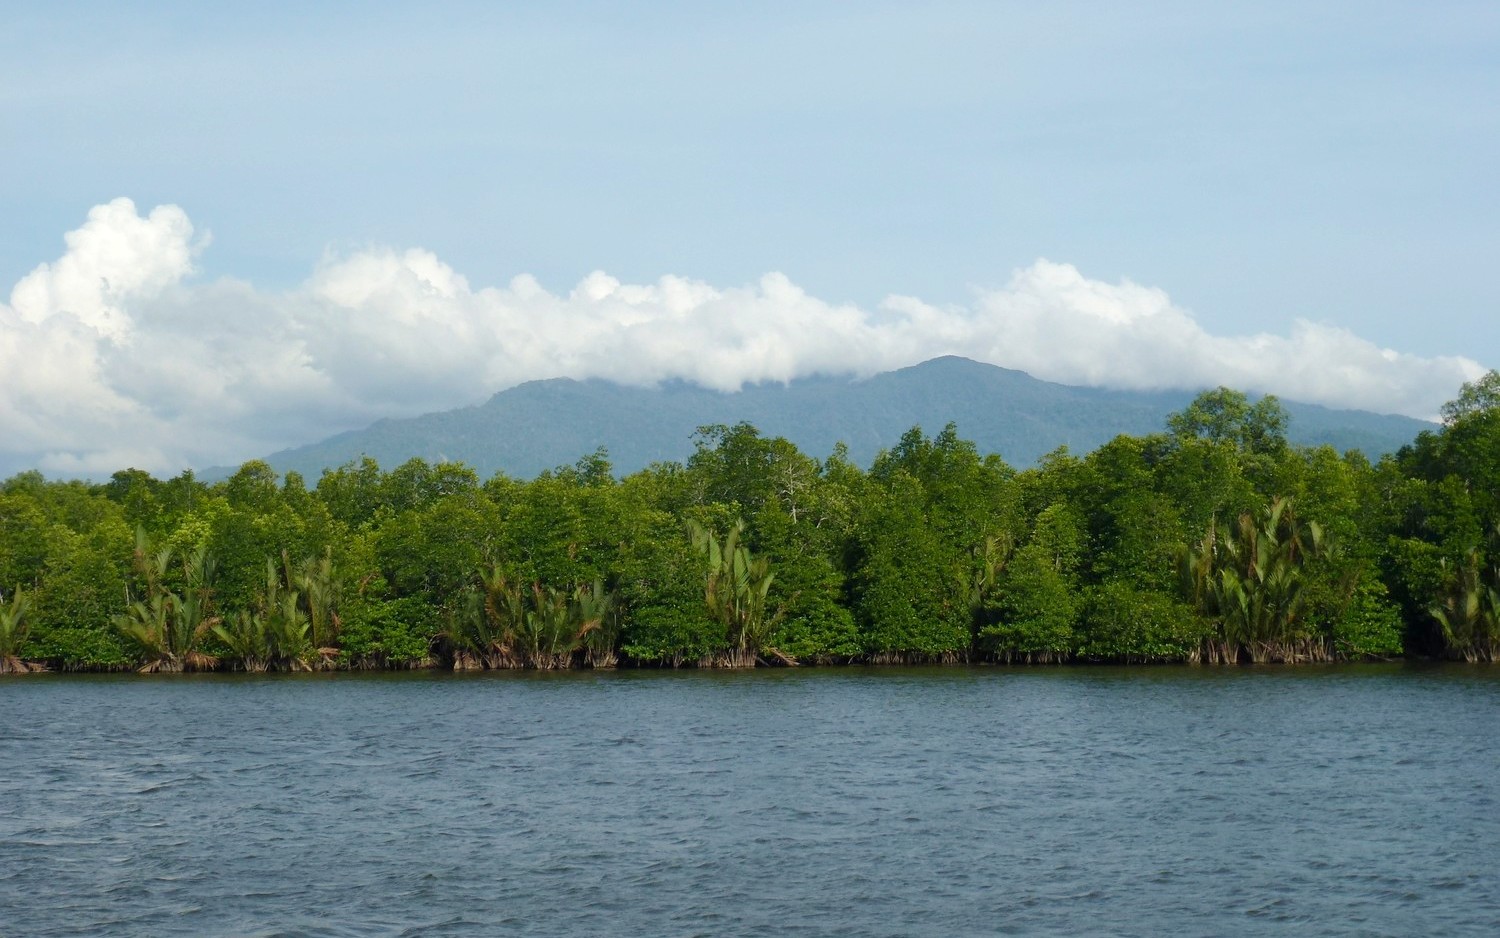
(1356, 800)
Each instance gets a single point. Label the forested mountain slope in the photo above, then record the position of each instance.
(543, 424)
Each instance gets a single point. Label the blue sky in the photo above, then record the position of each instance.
(1263, 166)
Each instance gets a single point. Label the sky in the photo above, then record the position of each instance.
(231, 230)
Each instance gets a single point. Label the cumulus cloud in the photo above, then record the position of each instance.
(115, 357)
(116, 257)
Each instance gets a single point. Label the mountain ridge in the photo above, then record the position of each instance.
(545, 423)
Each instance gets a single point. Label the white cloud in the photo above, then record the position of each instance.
(1054, 323)
(113, 358)
(115, 257)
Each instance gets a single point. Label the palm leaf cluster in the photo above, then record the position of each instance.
(736, 592)
(291, 626)
(168, 625)
(1249, 579)
(318, 597)
(275, 635)
(506, 624)
(990, 560)
(1468, 611)
(15, 625)
(294, 623)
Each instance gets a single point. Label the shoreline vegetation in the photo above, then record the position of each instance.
(1213, 542)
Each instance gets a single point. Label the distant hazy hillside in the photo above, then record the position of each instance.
(544, 424)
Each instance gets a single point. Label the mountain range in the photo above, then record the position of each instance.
(541, 425)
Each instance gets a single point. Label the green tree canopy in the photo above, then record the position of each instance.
(1227, 416)
(1480, 396)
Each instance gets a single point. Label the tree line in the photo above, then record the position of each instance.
(1213, 541)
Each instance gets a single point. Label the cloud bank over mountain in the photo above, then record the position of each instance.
(114, 356)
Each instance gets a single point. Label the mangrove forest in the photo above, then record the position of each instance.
(1214, 541)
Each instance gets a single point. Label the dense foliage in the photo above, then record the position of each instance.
(1214, 541)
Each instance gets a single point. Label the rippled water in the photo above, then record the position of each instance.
(1353, 800)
